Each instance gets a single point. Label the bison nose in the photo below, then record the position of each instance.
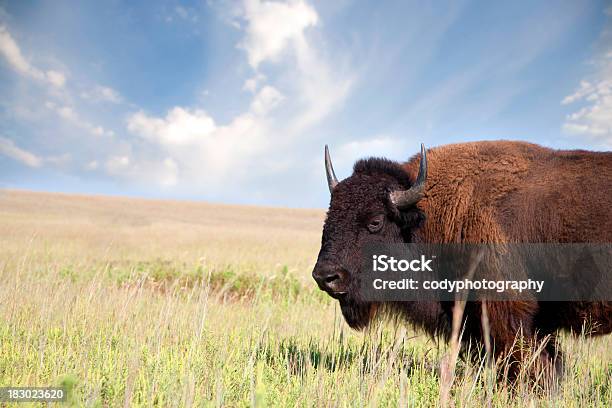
(330, 279)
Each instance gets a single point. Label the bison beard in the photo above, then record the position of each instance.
(357, 314)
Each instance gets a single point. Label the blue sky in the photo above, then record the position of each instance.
(234, 101)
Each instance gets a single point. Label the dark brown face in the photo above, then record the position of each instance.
(360, 213)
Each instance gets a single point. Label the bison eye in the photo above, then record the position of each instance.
(376, 223)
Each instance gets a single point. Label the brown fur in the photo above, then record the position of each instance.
(503, 191)
(515, 192)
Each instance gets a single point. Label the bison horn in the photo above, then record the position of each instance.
(332, 181)
(407, 198)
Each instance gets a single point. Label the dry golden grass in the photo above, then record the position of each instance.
(102, 228)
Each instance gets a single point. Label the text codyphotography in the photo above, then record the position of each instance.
(488, 271)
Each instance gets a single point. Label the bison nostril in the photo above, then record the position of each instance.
(332, 278)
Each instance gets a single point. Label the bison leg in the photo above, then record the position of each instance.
(515, 342)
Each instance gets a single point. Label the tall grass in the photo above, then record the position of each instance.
(172, 328)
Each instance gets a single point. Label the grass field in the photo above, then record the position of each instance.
(135, 302)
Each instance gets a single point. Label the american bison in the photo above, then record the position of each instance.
(479, 192)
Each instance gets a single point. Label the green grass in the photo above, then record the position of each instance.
(151, 313)
(154, 335)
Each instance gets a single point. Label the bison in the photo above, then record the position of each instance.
(479, 192)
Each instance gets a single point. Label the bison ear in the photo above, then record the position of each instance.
(407, 198)
(412, 219)
(407, 218)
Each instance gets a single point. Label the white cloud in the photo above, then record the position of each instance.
(186, 14)
(163, 173)
(102, 94)
(253, 83)
(9, 149)
(117, 164)
(58, 161)
(92, 165)
(180, 126)
(594, 119)
(322, 87)
(56, 78)
(12, 53)
(273, 27)
(67, 113)
(250, 85)
(276, 32)
(266, 100)
(183, 127)
(203, 150)
(188, 147)
(247, 146)
(181, 11)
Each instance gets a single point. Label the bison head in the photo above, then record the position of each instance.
(376, 204)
